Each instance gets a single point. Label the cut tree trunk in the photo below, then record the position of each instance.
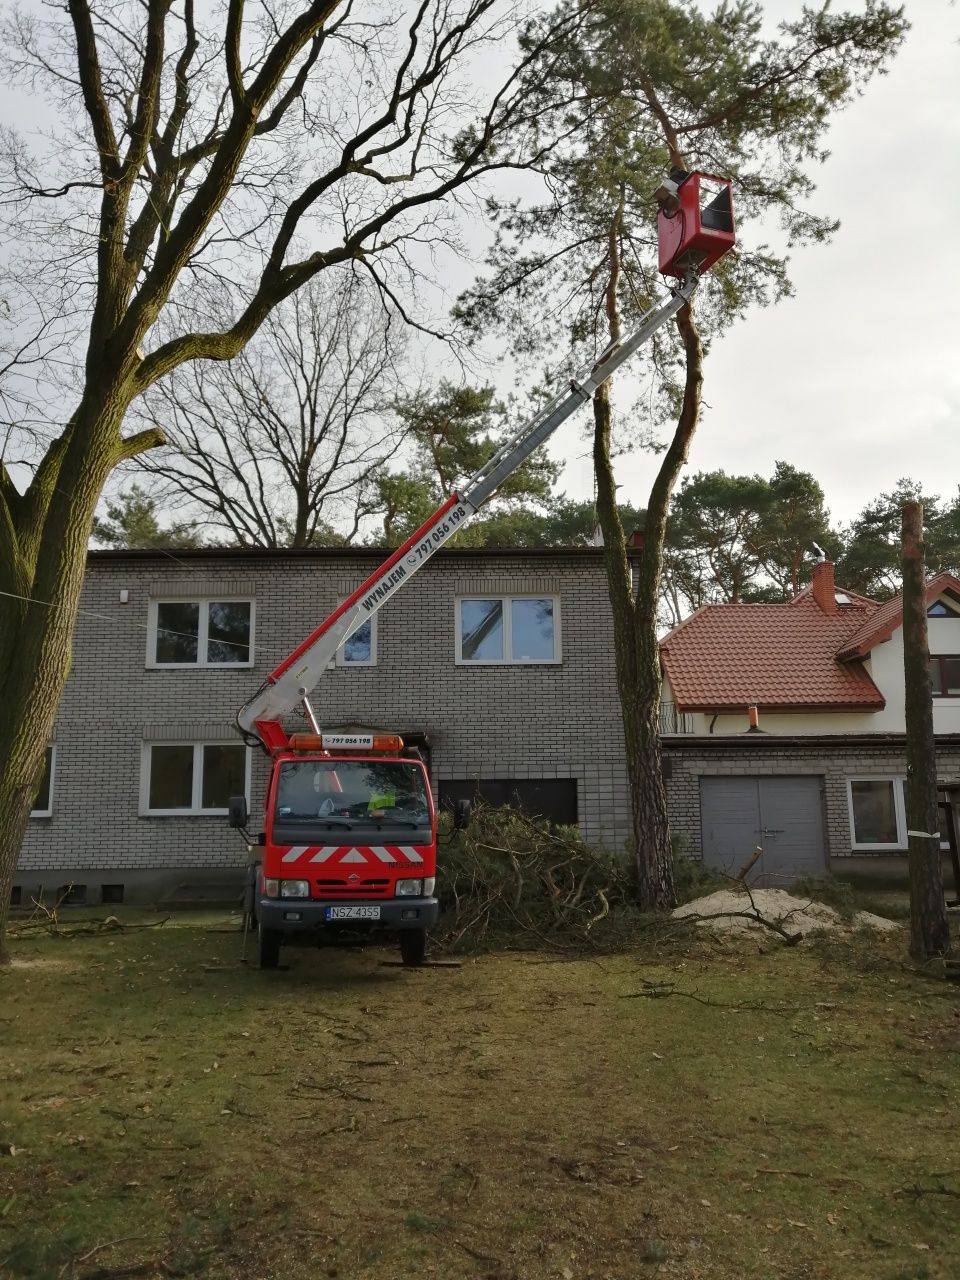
(929, 923)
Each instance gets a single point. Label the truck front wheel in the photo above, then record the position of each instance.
(268, 947)
(413, 946)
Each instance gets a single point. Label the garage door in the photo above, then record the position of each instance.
(782, 815)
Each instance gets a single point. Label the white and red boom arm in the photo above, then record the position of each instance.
(293, 680)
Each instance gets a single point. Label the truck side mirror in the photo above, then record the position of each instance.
(237, 811)
(462, 812)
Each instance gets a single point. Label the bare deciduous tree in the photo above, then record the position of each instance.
(277, 447)
(252, 145)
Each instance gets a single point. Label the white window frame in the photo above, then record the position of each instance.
(899, 808)
(203, 628)
(341, 661)
(48, 812)
(507, 661)
(195, 811)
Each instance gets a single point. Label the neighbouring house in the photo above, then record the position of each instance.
(783, 727)
(497, 663)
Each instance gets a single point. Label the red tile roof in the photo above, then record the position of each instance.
(774, 656)
(881, 624)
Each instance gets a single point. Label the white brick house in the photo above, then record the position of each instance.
(818, 782)
(500, 660)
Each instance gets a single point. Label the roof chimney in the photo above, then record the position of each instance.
(824, 591)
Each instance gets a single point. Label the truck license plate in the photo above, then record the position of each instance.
(351, 913)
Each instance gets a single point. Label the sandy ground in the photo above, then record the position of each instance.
(735, 911)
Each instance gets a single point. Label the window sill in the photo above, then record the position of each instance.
(509, 662)
(879, 848)
(199, 666)
(218, 814)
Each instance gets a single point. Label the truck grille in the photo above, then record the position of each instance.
(365, 887)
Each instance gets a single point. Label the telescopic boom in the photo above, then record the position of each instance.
(294, 679)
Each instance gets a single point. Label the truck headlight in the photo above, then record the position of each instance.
(409, 888)
(294, 888)
(271, 888)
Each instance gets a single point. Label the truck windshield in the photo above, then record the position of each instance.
(349, 793)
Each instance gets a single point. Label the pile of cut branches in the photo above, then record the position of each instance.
(44, 919)
(509, 879)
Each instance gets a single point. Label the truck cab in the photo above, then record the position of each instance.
(349, 847)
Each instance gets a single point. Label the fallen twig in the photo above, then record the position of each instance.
(917, 1190)
(135, 1269)
(486, 1258)
(660, 991)
(791, 939)
(56, 929)
(604, 911)
(349, 1127)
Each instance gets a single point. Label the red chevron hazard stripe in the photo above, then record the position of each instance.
(403, 855)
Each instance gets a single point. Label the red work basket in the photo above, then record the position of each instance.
(697, 228)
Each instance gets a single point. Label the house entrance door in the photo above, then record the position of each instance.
(784, 816)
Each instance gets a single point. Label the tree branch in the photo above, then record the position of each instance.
(232, 53)
(129, 446)
(91, 84)
(674, 458)
(148, 92)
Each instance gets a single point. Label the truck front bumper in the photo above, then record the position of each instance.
(308, 915)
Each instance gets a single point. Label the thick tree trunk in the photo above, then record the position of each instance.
(638, 685)
(929, 924)
(635, 624)
(37, 635)
(635, 612)
(656, 890)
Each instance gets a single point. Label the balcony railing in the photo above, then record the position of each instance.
(674, 721)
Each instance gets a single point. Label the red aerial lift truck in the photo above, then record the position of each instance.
(349, 843)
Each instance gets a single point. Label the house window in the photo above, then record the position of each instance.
(945, 675)
(192, 777)
(200, 633)
(939, 610)
(360, 649)
(552, 798)
(43, 801)
(877, 813)
(71, 895)
(502, 629)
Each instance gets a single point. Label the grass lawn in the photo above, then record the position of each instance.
(165, 1111)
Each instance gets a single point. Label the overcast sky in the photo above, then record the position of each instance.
(857, 378)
